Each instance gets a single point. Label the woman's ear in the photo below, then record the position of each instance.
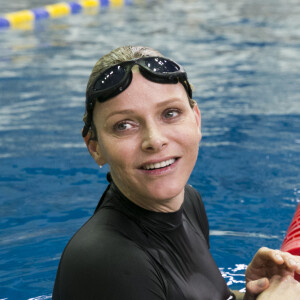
(94, 149)
(197, 114)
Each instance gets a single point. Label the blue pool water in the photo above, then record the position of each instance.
(243, 59)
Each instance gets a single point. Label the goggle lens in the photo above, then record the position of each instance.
(161, 65)
(109, 78)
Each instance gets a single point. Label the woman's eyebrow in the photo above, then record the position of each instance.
(131, 111)
(120, 112)
(169, 101)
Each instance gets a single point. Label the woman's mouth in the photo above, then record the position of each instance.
(159, 165)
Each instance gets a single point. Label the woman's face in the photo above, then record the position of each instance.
(149, 135)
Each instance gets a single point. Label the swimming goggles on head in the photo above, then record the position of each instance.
(117, 78)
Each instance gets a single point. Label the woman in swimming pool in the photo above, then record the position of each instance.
(149, 236)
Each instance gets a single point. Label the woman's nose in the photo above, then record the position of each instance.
(154, 139)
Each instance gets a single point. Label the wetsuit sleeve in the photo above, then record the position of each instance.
(115, 270)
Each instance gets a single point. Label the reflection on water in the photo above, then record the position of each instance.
(242, 58)
(235, 276)
(12, 6)
(242, 234)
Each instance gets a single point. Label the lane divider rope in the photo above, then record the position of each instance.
(12, 20)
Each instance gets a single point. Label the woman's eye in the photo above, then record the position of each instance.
(122, 126)
(171, 113)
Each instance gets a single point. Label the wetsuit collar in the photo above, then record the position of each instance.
(162, 220)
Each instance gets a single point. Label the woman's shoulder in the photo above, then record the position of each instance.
(101, 235)
(100, 258)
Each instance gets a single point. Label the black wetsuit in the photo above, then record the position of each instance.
(125, 252)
